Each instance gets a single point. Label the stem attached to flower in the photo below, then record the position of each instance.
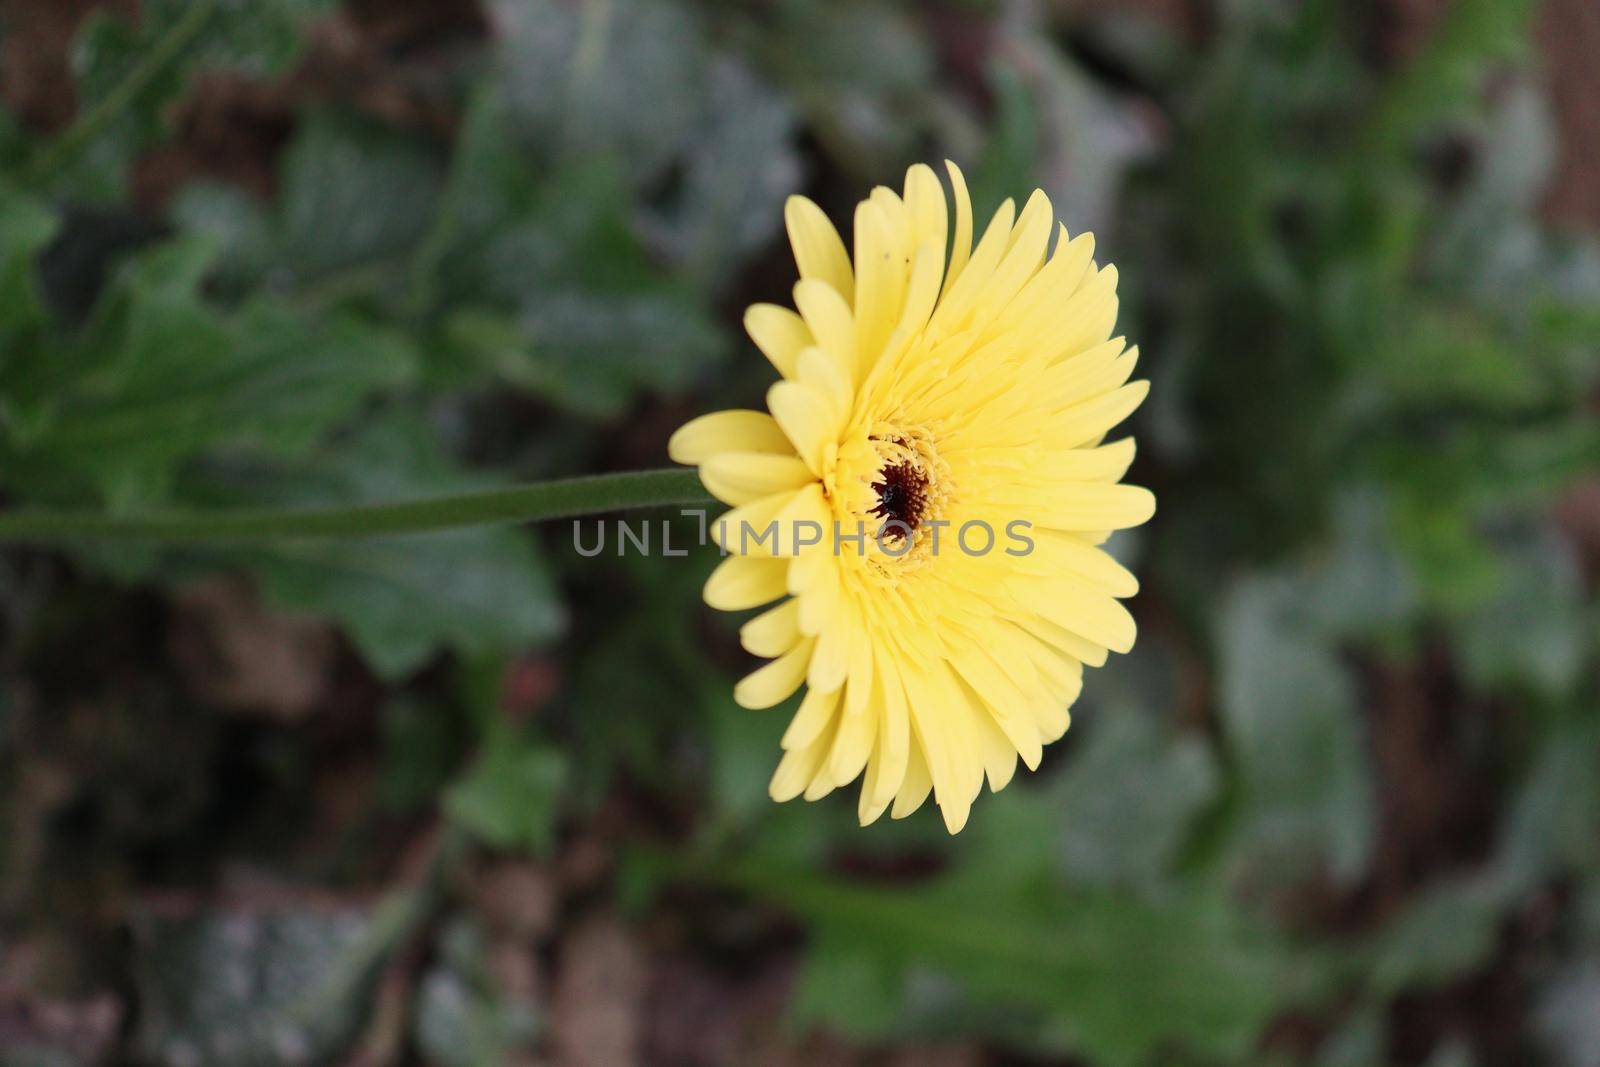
(541, 500)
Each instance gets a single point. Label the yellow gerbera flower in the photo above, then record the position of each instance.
(928, 493)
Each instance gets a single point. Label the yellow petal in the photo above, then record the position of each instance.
(774, 632)
(924, 198)
(823, 372)
(923, 289)
(859, 692)
(960, 299)
(880, 281)
(1091, 373)
(1090, 420)
(961, 240)
(817, 715)
(818, 251)
(1090, 315)
(938, 733)
(822, 782)
(807, 420)
(802, 523)
(1054, 553)
(895, 214)
(1021, 261)
(741, 582)
(779, 333)
(1084, 651)
(1078, 607)
(1053, 722)
(775, 682)
(854, 743)
(1037, 308)
(1008, 704)
(798, 768)
(916, 787)
(1099, 506)
(753, 529)
(894, 737)
(998, 754)
(740, 477)
(868, 808)
(830, 661)
(814, 578)
(829, 319)
(1104, 463)
(727, 431)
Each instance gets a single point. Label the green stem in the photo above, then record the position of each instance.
(540, 500)
(149, 67)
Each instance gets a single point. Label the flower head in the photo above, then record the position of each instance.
(926, 495)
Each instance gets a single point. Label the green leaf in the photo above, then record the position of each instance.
(537, 278)
(1452, 355)
(422, 745)
(26, 226)
(1011, 154)
(745, 749)
(13, 141)
(1290, 713)
(511, 798)
(260, 38)
(1565, 1021)
(569, 305)
(162, 377)
(1096, 971)
(1360, 586)
(649, 661)
(1491, 240)
(107, 49)
(355, 200)
(1447, 931)
(1551, 825)
(1449, 495)
(863, 74)
(1058, 130)
(299, 374)
(463, 1018)
(715, 205)
(1532, 631)
(233, 221)
(593, 351)
(353, 193)
(729, 200)
(401, 599)
(1456, 568)
(559, 64)
(1360, 1042)
(1128, 797)
(862, 993)
(1452, 928)
(143, 389)
(1448, 75)
(251, 987)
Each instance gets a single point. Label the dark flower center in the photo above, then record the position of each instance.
(902, 494)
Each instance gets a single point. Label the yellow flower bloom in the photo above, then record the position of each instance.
(950, 400)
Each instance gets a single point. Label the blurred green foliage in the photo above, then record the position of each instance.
(1375, 369)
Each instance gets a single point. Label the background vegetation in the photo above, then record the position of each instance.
(471, 799)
